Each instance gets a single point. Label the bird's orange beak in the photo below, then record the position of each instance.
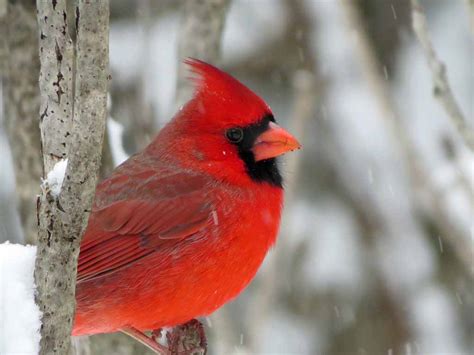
(273, 142)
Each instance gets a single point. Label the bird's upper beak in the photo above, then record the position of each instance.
(273, 142)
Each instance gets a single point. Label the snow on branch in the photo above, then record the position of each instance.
(442, 89)
(55, 178)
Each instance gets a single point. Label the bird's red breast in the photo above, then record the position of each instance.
(182, 227)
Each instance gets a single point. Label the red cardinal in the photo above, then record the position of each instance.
(182, 227)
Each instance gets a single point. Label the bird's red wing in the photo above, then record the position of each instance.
(125, 231)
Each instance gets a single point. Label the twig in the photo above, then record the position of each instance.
(442, 89)
(419, 177)
(72, 126)
(199, 37)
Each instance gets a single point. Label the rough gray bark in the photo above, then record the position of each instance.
(72, 126)
(199, 37)
(442, 89)
(57, 65)
(21, 100)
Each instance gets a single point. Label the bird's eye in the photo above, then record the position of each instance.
(235, 135)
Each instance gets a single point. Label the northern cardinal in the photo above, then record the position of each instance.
(182, 227)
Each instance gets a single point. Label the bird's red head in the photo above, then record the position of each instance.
(228, 130)
(227, 101)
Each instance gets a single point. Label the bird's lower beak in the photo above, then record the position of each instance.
(273, 142)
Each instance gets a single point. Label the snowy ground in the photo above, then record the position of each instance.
(19, 315)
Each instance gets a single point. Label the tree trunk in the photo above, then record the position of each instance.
(21, 101)
(72, 126)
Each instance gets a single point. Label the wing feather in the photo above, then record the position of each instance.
(158, 214)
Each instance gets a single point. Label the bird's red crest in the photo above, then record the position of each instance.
(225, 93)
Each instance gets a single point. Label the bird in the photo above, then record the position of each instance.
(182, 227)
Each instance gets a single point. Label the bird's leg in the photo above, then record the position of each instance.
(150, 342)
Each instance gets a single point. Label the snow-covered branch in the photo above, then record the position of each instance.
(72, 126)
(442, 89)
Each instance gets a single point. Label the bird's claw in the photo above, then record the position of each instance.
(185, 339)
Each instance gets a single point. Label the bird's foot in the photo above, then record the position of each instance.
(185, 339)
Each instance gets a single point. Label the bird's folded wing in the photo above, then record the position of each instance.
(125, 231)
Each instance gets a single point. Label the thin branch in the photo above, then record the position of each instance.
(418, 175)
(71, 128)
(442, 89)
(199, 37)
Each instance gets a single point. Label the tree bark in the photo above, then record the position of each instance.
(21, 101)
(72, 126)
(199, 37)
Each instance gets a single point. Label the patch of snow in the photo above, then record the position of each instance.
(55, 177)
(10, 225)
(20, 317)
(115, 134)
(434, 306)
(163, 66)
(251, 25)
(334, 260)
(128, 43)
(283, 333)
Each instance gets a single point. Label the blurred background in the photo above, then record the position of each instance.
(375, 254)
